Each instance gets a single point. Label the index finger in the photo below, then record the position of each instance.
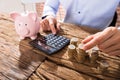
(52, 26)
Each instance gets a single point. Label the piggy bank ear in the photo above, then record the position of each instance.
(14, 15)
(33, 16)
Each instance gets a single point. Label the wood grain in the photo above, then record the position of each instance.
(16, 62)
(20, 61)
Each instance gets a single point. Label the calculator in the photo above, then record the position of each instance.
(51, 43)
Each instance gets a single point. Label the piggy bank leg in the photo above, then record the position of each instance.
(33, 37)
(21, 37)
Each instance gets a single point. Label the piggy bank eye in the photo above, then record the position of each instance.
(19, 24)
(25, 24)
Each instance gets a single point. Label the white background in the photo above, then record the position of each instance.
(8, 6)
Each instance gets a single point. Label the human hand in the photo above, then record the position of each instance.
(50, 24)
(107, 41)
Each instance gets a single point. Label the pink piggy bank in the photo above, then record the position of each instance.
(26, 25)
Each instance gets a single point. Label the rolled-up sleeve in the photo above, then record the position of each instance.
(51, 7)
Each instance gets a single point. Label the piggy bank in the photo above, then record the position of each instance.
(26, 25)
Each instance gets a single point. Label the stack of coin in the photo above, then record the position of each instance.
(81, 54)
(71, 51)
(103, 66)
(93, 56)
(74, 41)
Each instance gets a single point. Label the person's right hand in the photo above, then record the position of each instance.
(108, 41)
(50, 24)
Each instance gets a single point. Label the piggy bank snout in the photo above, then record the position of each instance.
(22, 31)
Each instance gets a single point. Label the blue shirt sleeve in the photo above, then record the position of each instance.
(51, 7)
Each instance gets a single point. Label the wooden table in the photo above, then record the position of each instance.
(20, 61)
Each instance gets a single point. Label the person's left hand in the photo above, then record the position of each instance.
(107, 41)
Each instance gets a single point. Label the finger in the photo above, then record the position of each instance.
(110, 42)
(43, 25)
(106, 34)
(111, 48)
(93, 42)
(87, 39)
(58, 26)
(46, 23)
(114, 53)
(52, 26)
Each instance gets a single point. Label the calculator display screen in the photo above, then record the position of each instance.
(43, 45)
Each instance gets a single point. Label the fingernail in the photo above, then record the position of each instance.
(84, 47)
(54, 32)
(82, 41)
